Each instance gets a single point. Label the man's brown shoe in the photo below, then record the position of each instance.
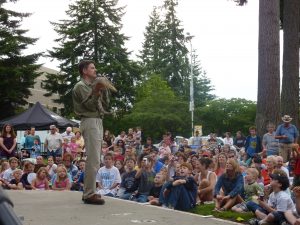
(94, 200)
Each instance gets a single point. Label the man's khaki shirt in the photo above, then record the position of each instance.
(84, 102)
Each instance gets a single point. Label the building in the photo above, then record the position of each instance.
(38, 92)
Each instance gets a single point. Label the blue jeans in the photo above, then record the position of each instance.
(141, 198)
(178, 198)
(126, 195)
(272, 152)
(54, 153)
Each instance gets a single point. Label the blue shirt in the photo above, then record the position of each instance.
(158, 166)
(231, 187)
(291, 132)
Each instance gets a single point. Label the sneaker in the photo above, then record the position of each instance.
(253, 221)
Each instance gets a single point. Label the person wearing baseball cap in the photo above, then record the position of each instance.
(287, 134)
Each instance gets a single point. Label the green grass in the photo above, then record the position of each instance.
(207, 209)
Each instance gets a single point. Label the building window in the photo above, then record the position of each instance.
(54, 109)
(30, 105)
(42, 84)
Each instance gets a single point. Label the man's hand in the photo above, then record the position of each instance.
(219, 197)
(296, 191)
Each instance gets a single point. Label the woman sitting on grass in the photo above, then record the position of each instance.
(206, 180)
(232, 184)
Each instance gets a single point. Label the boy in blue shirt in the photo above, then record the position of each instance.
(252, 145)
(181, 193)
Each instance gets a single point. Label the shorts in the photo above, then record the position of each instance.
(278, 217)
(242, 206)
(296, 181)
(252, 206)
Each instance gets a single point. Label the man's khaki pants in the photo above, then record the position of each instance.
(92, 132)
(285, 151)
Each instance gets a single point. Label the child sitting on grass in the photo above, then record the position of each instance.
(41, 181)
(181, 193)
(108, 177)
(144, 176)
(128, 184)
(272, 212)
(62, 181)
(154, 193)
(16, 183)
(252, 190)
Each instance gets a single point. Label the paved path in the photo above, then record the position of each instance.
(66, 208)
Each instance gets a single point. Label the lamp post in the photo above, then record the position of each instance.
(189, 39)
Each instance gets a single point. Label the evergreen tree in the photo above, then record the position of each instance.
(17, 70)
(175, 68)
(164, 52)
(151, 52)
(94, 32)
(202, 84)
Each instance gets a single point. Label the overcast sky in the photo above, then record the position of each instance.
(226, 36)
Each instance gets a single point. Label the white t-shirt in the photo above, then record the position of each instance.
(8, 175)
(286, 171)
(281, 201)
(51, 170)
(107, 177)
(54, 141)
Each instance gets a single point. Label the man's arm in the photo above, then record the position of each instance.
(87, 99)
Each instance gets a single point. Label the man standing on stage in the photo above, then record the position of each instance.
(86, 97)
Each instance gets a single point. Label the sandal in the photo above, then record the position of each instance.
(216, 210)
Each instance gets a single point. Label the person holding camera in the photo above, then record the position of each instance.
(145, 177)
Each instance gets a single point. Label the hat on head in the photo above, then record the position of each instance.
(282, 179)
(286, 118)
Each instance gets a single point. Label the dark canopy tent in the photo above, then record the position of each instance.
(39, 117)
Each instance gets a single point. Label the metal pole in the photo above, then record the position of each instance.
(192, 90)
(189, 38)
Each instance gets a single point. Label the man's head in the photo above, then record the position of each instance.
(52, 129)
(32, 130)
(69, 130)
(87, 69)
(286, 119)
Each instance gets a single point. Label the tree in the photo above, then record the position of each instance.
(268, 96)
(290, 66)
(202, 84)
(164, 52)
(94, 32)
(174, 52)
(17, 70)
(150, 55)
(158, 110)
(223, 115)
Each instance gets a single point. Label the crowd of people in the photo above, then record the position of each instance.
(241, 173)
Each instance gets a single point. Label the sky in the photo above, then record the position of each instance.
(225, 36)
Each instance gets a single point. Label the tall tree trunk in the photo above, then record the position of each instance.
(290, 67)
(268, 95)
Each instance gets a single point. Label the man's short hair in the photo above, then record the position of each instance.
(83, 64)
